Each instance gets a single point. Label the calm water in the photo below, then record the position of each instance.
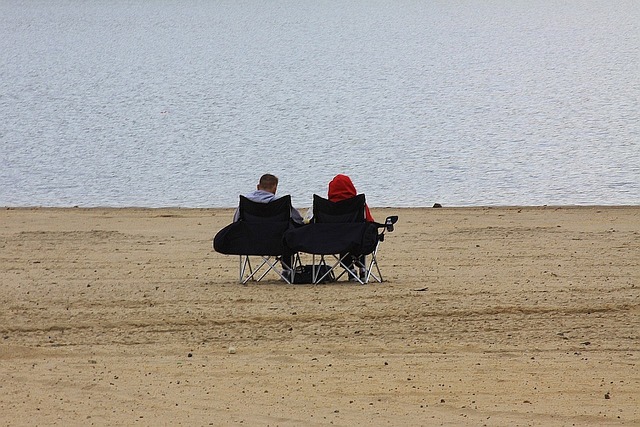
(186, 103)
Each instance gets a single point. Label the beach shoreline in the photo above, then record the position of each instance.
(488, 315)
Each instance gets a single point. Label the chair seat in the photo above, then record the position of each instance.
(250, 238)
(332, 238)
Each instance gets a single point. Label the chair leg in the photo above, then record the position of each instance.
(369, 271)
(348, 268)
(245, 265)
(266, 260)
(247, 272)
(296, 263)
(341, 261)
(374, 262)
(316, 270)
(367, 268)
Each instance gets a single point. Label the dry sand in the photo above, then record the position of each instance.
(489, 316)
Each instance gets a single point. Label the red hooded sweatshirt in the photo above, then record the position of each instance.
(341, 188)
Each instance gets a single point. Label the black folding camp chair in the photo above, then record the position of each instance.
(341, 237)
(258, 233)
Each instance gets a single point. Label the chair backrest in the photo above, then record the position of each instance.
(277, 210)
(348, 210)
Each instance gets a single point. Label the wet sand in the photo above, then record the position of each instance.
(488, 316)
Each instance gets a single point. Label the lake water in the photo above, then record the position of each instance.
(186, 103)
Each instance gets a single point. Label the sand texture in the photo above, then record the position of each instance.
(488, 316)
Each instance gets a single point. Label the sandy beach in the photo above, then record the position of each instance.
(523, 316)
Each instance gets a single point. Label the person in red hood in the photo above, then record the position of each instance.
(341, 188)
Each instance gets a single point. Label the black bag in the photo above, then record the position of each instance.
(304, 274)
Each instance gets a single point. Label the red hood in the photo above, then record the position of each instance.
(341, 188)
